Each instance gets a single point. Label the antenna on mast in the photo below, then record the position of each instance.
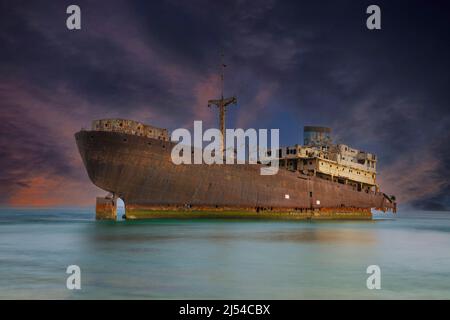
(222, 74)
(222, 103)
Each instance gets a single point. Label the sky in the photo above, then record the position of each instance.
(290, 64)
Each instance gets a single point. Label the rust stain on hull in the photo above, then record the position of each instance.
(105, 209)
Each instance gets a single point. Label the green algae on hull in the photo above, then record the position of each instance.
(232, 214)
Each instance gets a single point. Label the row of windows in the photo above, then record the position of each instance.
(291, 151)
(106, 125)
(349, 170)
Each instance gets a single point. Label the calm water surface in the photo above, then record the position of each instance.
(221, 259)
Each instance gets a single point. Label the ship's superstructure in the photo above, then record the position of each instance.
(334, 162)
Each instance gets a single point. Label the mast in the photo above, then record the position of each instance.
(222, 104)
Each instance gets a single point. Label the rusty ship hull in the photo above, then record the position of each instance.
(139, 170)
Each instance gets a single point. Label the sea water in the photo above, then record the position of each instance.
(222, 259)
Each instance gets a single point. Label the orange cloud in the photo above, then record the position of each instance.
(204, 90)
(51, 190)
